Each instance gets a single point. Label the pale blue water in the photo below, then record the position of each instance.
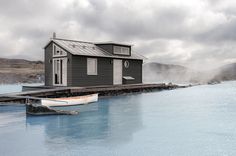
(193, 121)
(9, 88)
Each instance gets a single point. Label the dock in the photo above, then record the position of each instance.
(39, 92)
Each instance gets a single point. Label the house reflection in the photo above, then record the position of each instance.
(111, 120)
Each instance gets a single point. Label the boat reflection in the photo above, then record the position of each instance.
(109, 120)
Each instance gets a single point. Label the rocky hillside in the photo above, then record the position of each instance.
(21, 71)
(156, 72)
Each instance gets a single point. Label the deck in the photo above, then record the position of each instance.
(45, 92)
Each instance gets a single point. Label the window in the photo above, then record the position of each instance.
(57, 51)
(126, 64)
(91, 66)
(121, 50)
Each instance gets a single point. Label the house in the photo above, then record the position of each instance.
(78, 63)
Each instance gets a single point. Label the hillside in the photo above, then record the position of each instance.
(21, 71)
(156, 72)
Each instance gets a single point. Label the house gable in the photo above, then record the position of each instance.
(56, 47)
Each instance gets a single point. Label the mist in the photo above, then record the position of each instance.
(168, 73)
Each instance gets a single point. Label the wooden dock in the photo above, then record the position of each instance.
(44, 92)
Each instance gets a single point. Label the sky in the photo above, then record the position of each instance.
(199, 34)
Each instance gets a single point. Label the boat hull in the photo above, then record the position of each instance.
(71, 101)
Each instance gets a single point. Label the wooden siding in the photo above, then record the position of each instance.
(134, 70)
(79, 72)
(48, 65)
(69, 69)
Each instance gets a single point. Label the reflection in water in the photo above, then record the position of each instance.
(109, 120)
(8, 117)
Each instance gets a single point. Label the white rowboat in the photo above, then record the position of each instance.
(70, 101)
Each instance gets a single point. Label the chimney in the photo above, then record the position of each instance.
(54, 35)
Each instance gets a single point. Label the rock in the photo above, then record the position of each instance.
(38, 109)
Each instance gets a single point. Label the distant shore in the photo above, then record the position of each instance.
(13, 71)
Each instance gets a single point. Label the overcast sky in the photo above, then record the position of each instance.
(195, 33)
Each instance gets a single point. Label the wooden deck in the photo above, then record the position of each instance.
(113, 90)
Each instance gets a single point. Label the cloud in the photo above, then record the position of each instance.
(195, 33)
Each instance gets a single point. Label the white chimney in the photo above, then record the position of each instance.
(54, 35)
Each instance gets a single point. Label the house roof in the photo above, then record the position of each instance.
(89, 49)
(115, 43)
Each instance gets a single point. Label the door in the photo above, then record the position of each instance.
(60, 71)
(117, 71)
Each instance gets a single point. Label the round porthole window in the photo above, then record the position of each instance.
(126, 64)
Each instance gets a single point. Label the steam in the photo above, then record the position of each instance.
(164, 73)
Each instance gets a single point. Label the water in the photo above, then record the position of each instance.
(9, 88)
(194, 121)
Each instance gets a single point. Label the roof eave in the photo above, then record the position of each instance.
(113, 43)
(128, 58)
(51, 40)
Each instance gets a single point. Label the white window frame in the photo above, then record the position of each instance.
(64, 75)
(122, 51)
(56, 48)
(95, 72)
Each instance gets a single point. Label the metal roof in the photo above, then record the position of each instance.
(115, 43)
(90, 49)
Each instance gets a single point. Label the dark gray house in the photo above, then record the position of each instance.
(77, 63)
